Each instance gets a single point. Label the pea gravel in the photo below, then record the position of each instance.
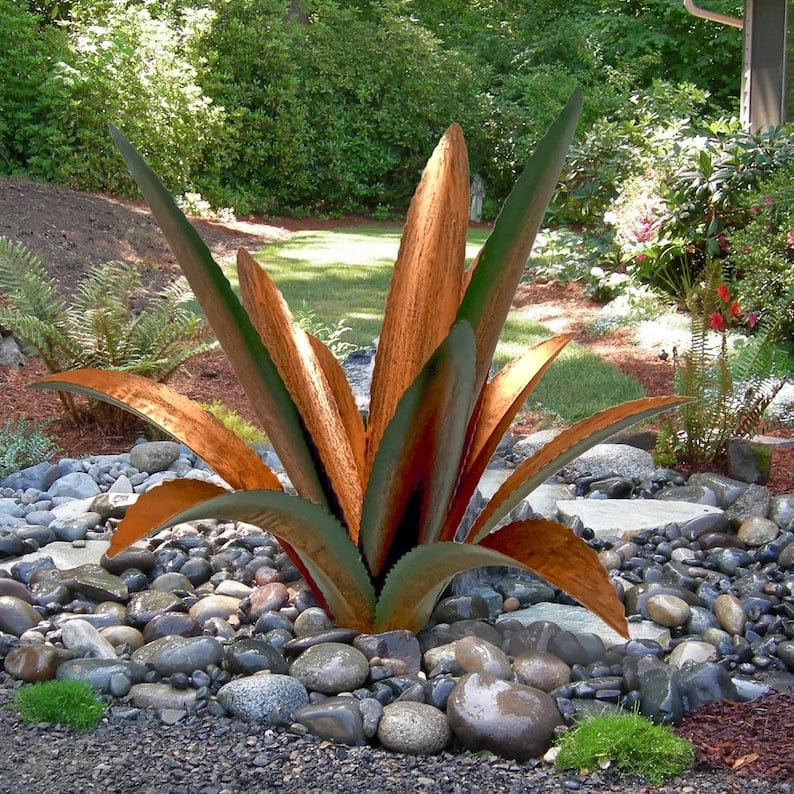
(137, 752)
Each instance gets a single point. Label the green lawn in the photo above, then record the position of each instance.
(345, 273)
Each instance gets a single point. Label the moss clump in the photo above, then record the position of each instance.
(71, 703)
(629, 744)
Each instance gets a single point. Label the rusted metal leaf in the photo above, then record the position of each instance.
(299, 368)
(492, 279)
(426, 285)
(556, 554)
(562, 449)
(502, 398)
(415, 471)
(174, 414)
(156, 506)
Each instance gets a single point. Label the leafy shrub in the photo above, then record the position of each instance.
(108, 321)
(626, 144)
(761, 254)
(122, 63)
(314, 121)
(629, 744)
(27, 53)
(24, 443)
(71, 703)
(377, 510)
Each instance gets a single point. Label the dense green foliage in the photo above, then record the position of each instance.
(325, 105)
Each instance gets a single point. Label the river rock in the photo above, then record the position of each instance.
(728, 611)
(541, 670)
(268, 699)
(17, 616)
(331, 668)
(181, 654)
(335, 718)
(80, 637)
(413, 728)
(474, 655)
(33, 663)
(509, 719)
(668, 610)
(756, 531)
(249, 656)
(99, 672)
(154, 456)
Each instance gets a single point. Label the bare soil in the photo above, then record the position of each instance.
(72, 231)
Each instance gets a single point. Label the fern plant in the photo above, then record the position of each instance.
(733, 385)
(108, 321)
(22, 444)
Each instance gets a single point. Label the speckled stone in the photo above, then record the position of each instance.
(756, 531)
(266, 699)
(414, 728)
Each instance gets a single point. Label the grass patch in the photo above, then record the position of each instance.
(628, 743)
(344, 274)
(71, 703)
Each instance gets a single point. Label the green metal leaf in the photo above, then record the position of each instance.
(418, 462)
(418, 578)
(239, 339)
(330, 557)
(497, 270)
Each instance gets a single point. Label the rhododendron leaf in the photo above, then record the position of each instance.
(174, 414)
(494, 275)
(416, 469)
(502, 398)
(156, 506)
(322, 543)
(562, 449)
(239, 339)
(425, 288)
(295, 359)
(554, 553)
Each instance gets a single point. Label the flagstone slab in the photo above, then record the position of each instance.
(626, 517)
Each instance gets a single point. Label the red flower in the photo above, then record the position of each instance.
(723, 293)
(752, 319)
(735, 309)
(717, 321)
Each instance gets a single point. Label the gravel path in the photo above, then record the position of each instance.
(208, 755)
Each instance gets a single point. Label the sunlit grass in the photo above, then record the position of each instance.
(345, 274)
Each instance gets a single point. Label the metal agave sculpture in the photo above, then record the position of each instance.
(374, 523)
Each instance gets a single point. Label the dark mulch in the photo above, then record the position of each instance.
(752, 739)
